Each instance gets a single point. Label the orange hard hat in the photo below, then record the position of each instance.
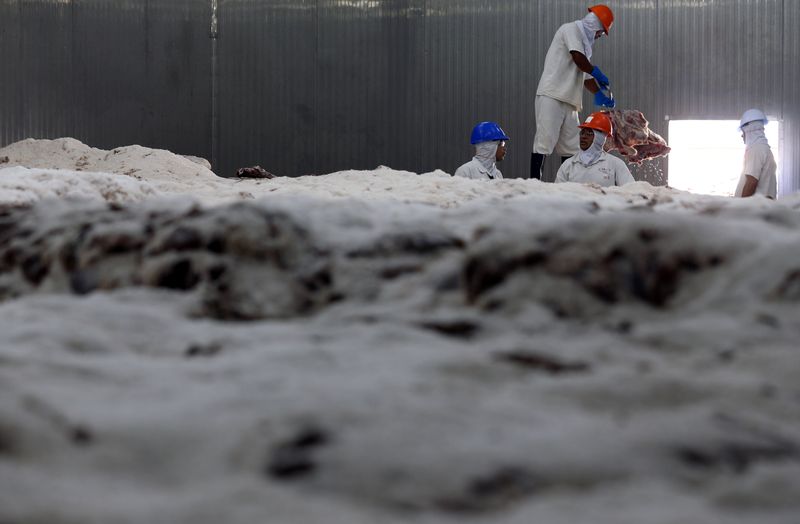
(605, 15)
(600, 121)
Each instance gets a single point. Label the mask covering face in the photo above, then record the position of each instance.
(754, 134)
(589, 27)
(592, 154)
(485, 154)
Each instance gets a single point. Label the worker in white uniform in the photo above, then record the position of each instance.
(490, 147)
(758, 173)
(592, 164)
(559, 97)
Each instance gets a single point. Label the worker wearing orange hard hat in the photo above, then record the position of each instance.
(592, 164)
(567, 72)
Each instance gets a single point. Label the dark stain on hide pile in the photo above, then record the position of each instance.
(420, 243)
(481, 274)
(541, 362)
(180, 275)
(741, 448)
(789, 288)
(396, 271)
(781, 217)
(8, 440)
(83, 282)
(203, 350)
(636, 268)
(11, 231)
(736, 457)
(768, 320)
(69, 253)
(452, 328)
(80, 435)
(184, 239)
(89, 249)
(115, 243)
(294, 458)
(35, 269)
(77, 433)
(495, 491)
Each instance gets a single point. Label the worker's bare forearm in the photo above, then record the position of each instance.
(581, 61)
(584, 65)
(750, 185)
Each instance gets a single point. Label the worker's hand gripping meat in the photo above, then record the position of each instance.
(601, 99)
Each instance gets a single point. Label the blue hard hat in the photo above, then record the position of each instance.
(487, 132)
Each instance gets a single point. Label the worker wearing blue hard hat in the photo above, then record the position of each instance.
(559, 96)
(759, 171)
(490, 147)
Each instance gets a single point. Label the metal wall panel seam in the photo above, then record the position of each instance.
(316, 156)
(213, 36)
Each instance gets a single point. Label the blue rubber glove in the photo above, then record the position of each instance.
(600, 99)
(602, 80)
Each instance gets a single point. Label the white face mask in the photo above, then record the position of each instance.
(594, 151)
(754, 134)
(486, 155)
(589, 26)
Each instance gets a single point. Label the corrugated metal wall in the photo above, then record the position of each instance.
(790, 181)
(109, 73)
(314, 86)
(267, 72)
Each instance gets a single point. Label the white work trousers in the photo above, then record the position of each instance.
(556, 127)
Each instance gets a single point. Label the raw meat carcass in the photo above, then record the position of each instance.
(633, 138)
(253, 172)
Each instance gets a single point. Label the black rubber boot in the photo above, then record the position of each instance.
(537, 161)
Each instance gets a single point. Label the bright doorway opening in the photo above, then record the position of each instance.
(707, 155)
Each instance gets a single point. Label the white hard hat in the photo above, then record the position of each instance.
(752, 115)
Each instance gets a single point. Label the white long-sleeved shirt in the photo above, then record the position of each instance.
(607, 170)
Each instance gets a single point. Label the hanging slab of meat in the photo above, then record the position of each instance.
(633, 138)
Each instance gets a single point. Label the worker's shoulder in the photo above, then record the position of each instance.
(758, 154)
(568, 28)
(565, 169)
(760, 149)
(465, 168)
(567, 164)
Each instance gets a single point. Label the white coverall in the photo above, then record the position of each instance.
(559, 96)
(759, 162)
(606, 170)
(482, 166)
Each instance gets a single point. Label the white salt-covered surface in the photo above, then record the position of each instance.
(385, 347)
(84, 172)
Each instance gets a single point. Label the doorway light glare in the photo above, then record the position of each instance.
(707, 155)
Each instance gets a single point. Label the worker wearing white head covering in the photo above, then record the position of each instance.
(590, 155)
(489, 141)
(590, 26)
(592, 164)
(567, 72)
(754, 134)
(759, 170)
